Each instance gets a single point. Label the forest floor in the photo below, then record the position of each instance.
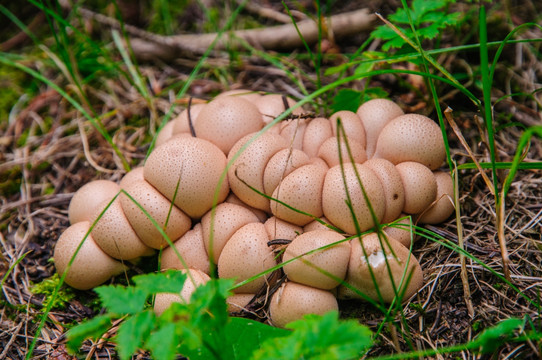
(48, 150)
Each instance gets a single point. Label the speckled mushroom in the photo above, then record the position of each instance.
(292, 301)
(332, 260)
(412, 137)
(188, 171)
(91, 267)
(87, 198)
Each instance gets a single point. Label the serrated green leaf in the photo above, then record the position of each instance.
(122, 300)
(94, 328)
(346, 99)
(163, 343)
(133, 332)
(246, 336)
(318, 337)
(491, 339)
(170, 281)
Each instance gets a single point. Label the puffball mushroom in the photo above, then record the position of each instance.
(88, 197)
(238, 302)
(334, 150)
(280, 229)
(393, 187)
(136, 174)
(332, 260)
(281, 165)
(412, 137)
(196, 278)
(402, 230)
(250, 165)
(246, 254)
(302, 190)
(374, 115)
(181, 123)
(292, 301)
(272, 105)
(188, 171)
(419, 184)
(318, 130)
(334, 197)
(368, 253)
(191, 249)
(91, 267)
(226, 119)
(351, 124)
(114, 233)
(443, 206)
(159, 208)
(225, 220)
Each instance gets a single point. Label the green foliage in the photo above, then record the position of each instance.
(47, 287)
(349, 99)
(491, 339)
(319, 337)
(429, 18)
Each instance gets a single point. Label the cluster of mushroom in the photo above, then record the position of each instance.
(222, 190)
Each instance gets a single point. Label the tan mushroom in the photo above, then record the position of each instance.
(370, 254)
(325, 267)
(88, 197)
(91, 267)
(292, 301)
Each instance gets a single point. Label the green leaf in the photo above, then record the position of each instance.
(93, 328)
(122, 300)
(491, 339)
(133, 332)
(170, 281)
(163, 342)
(346, 99)
(319, 337)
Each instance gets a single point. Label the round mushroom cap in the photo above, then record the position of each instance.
(114, 234)
(412, 137)
(280, 229)
(402, 230)
(225, 221)
(352, 125)
(233, 199)
(281, 165)
(162, 301)
(293, 301)
(245, 255)
(224, 120)
(272, 105)
(238, 302)
(333, 154)
(317, 225)
(181, 123)
(188, 171)
(159, 208)
(444, 206)
(91, 267)
(191, 249)
(302, 191)
(393, 187)
(136, 174)
(318, 130)
(88, 197)
(246, 94)
(293, 131)
(334, 197)
(374, 115)
(332, 260)
(404, 268)
(249, 167)
(165, 133)
(419, 184)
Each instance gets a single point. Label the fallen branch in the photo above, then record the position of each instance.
(148, 45)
